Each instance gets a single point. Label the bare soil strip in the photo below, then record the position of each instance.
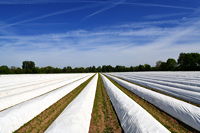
(162, 92)
(171, 123)
(42, 121)
(104, 118)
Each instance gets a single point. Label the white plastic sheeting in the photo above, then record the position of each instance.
(13, 118)
(76, 117)
(8, 101)
(18, 80)
(41, 82)
(185, 112)
(187, 95)
(152, 80)
(185, 78)
(133, 118)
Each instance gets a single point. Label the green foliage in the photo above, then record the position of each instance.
(170, 65)
(4, 69)
(107, 68)
(67, 69)
(16, 70)
(186, 62)
(189, 61)
(28, 66)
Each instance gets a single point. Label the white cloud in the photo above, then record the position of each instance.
(126, 44)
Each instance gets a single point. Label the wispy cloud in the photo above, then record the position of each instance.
(106, 46)
(124, 44)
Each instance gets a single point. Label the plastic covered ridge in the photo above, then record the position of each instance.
(29, 93)
(185, 112)
(133, 118)
(77, 115)
(190, 96)
(13, 118)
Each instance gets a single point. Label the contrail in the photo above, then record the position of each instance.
(136, 3)
(47, 15)
(89, 1)
(28, 2)
(159, 5)
(103, 9)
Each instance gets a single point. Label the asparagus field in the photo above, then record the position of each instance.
(130, 102)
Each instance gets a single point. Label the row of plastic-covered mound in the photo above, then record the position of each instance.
(19, 98)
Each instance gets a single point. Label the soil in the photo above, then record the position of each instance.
(104, 118)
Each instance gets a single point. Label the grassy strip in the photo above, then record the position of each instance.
(159, 91)
(104, 119)
(171, 123)
(42, 121)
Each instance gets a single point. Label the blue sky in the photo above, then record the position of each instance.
(97, 32)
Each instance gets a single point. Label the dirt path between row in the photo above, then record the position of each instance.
(104, 118)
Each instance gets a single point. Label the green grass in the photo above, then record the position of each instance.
(104, 118)
(42, 121)
(165, 119)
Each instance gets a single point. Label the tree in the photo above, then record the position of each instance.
(189, 61)
(79, 70)
(186, 62)
(158, 63)
(120, 68)
(131, 68)
(91, 69)
(28, 66)
(163, 66)
(99, 69)
(69, 69)
(171, 64)
(64, 70)
(4, 70)
(15, 70)
(107, 68)
(139, 68)
(147, 67)
(50, 69)
(47, 69)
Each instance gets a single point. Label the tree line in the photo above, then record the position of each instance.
(185, 62)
